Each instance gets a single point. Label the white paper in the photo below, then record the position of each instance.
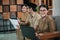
(14, 22)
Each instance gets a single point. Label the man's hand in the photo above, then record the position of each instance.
(36, 34)
(41, 34)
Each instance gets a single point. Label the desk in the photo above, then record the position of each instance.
(46, 36)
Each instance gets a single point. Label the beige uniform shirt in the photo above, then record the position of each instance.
(33, 20)
(24, 16)
(47, 25)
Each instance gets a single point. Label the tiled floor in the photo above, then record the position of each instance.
(9, 36)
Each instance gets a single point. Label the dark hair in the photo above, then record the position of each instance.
(43, 6)
(33, 8)
(24, 5)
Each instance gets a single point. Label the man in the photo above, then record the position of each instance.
(46, 23)
(33, 19)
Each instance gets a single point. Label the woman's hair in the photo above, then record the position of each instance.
(24, 5)
(43, 6)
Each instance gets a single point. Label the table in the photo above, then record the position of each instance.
(46, 36)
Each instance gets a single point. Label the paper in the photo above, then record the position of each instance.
(15, 23)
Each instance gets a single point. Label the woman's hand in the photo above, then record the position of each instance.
(18, 27)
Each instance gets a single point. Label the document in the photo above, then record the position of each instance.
(14, 23)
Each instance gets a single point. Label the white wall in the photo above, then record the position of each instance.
(56, 7)
(56, 13)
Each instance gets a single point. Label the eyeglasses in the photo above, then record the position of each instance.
(43, 10)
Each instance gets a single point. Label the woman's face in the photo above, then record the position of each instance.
(43, 11)
(24, 9)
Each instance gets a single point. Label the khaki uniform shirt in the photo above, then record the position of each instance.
(33, 20)
(24, 16)
(47, 25)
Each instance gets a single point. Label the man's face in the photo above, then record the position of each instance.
(30, 10)
(24, 9)
(43, 11)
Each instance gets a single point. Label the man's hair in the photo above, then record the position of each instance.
(33, 8)
(43, 6)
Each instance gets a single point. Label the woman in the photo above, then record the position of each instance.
(22, 18)
(46, 23)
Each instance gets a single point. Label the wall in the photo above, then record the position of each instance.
(9, 9)
(56, 7)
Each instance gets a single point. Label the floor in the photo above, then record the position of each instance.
(9, 36)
